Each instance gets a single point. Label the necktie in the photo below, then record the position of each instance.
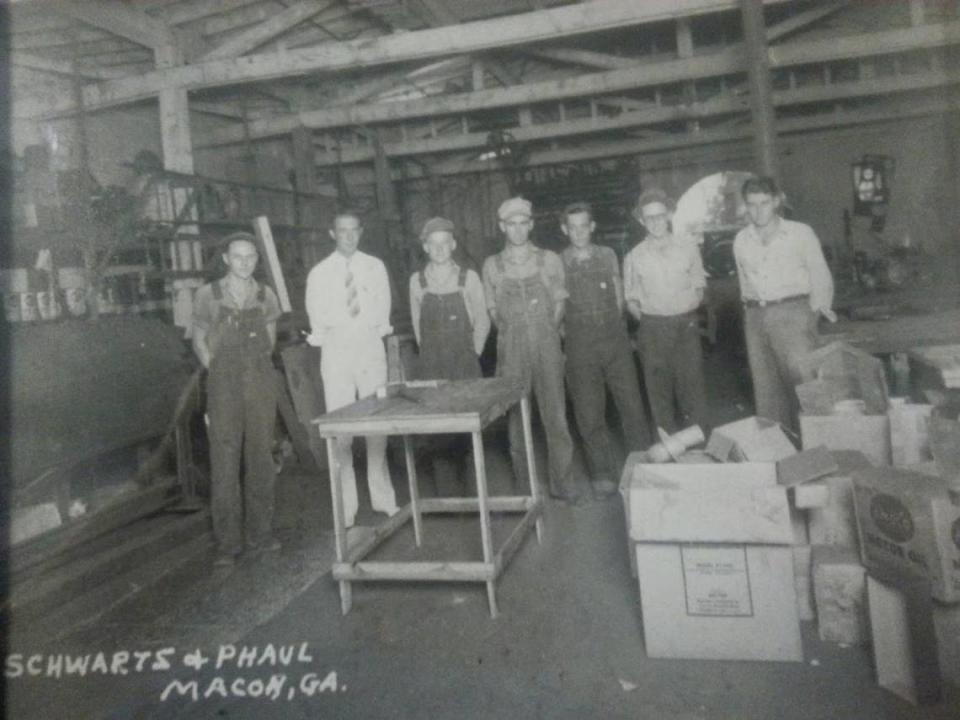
(353, 303)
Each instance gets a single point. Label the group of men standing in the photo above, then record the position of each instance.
(560, 326)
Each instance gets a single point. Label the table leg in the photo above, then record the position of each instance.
(414, 490)
(485, 534)
(339, 531)
(531, 461)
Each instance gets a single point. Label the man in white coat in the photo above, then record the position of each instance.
(348, 303)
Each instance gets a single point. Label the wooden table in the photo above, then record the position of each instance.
(466, 406)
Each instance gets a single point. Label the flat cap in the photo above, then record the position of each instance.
(436, 224)
(515, 206)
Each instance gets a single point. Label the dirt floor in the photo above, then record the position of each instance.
(267, 639)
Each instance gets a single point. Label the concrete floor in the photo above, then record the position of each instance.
(568, 642)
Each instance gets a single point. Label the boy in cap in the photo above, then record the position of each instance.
(664, 283)
(785, 286)
(451, 325)
(348, 303)
(598, 349)
(525, 292)
(234, 331)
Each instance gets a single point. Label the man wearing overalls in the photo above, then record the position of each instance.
(451, 324)
(598, 349)
(525, 292)
(234, 331)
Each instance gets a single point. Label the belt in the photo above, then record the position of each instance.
(779, 301)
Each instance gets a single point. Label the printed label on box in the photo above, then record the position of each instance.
(716, 581)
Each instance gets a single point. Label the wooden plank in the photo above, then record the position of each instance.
(265, 31)
(184, 13)
(726, 62)
(378, 536)
(35, 595)
(415, 571)
(119, 19)
(62, 67)
(801, 20)
(761, 90)
(499, 504)
(488, 34)
(261, 226)
(67, 537)
(512, 544)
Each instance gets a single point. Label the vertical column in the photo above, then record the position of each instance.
(761, 101)
(308, 213)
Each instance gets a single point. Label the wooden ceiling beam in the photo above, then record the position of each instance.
(200, 9)
(262, 33)
(622, 148)
(726, 62)
(650, 116)
(565, 21)
(118, 19)
(62, 67)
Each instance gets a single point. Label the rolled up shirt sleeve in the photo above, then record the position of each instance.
(476, 302)
(416, 300)
(821, 281)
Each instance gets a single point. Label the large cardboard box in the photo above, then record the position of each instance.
(714, 562)
(909, 525)
(870, 434)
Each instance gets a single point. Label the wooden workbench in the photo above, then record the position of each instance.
(466, 406)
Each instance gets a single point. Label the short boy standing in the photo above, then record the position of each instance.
(234, 331)
(598, 349)
(664, 283)
(451, 324)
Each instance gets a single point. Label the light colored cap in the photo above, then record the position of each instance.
(515, 206)
(436, 224)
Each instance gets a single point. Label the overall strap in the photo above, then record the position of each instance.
(462, 278)
(217, 291)
(423, 279)
(498, 260)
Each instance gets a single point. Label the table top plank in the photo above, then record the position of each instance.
(456, 406)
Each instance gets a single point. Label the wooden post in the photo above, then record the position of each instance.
(305, 174)
(761, 96)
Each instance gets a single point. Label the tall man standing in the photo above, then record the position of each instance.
(664, 282)
(525, 292)
(598, 348)
(785, 286)
(234, 331)
(348, 303)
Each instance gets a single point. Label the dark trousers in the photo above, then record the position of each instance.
(673, 367)
(242, 406)
(607, 363)
(778, 338)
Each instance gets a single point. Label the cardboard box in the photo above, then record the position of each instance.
(909, 432)
(909, 525)
(753, 439)
(855, 373)
(903, 640)
(714, 562)
(840, 591)
(946, 625)
(836, 522)
(870, 434)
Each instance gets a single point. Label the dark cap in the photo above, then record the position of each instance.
(436, 224)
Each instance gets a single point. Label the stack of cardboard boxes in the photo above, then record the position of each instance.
(733, 551)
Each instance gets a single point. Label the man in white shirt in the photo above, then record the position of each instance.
(663, 281)
(348, 303)
(785, 286)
